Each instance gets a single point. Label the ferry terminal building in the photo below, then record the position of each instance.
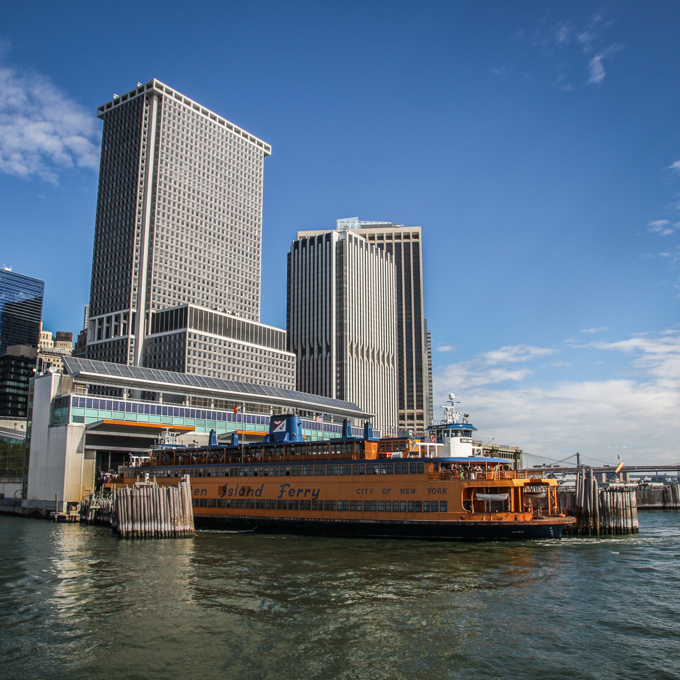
(94, 415)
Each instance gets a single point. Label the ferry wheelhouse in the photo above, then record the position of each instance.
(355, 486)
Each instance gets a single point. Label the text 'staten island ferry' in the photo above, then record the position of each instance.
(355, 486)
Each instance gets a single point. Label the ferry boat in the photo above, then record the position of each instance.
(355, 486)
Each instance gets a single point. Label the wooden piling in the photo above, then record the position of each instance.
(151, 511)
(600, 511)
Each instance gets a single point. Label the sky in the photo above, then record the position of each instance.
(536, 143)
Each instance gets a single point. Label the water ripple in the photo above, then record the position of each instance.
(76, 603)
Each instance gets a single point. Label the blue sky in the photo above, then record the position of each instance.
(536, 143)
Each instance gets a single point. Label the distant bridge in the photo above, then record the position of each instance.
(608, 468)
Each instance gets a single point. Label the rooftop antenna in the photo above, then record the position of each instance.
(6, 268)
(451, 415)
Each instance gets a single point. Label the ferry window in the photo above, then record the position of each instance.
(293, 471)
(243, 472)
(435, 506)
(389, 468)
(307, 505)
(271, 471)
(367, 506)
(358, 470)
(194, 502)
(443, 506)
(233, 472)
(287, 472)
(212, 502)
(326, 505)
(293, 505)
(353, 505)
(319, 470)
(397, 468)
(270, 505)
(281, 505)
(203, 502)
(224, 472)
(252, 472)
(343, 505)
(410, 506)
(264, 472)
(413, 468)
(317, 505)
(381, 506)
(342, 469)
(250, 505)
(373, 506)
(369, 469)
(240, 504)
(221, 503)
(388, 506)
(383, 469)
(419, 506)
(426, 506)
(299, 470)
(259, 505)
(421, 468)
(402, 506)
(376, 469)
(332, 505)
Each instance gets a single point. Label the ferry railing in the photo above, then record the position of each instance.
(487, 475)
(207, 461)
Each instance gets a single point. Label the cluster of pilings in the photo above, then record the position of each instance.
(671, 496)
(97, 509)
(599, 511)
(151, 511)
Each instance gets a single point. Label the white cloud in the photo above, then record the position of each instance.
(41, 129)
(590, 33)
(515, 353)
(596, 68)
(675, 166)
(638, 411)
(660, 227)
(445, 348)
(503, 70)
(594, 330)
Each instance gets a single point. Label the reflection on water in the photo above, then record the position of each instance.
(76, 603)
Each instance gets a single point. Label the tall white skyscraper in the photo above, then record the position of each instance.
(179, 226)
(341, 321)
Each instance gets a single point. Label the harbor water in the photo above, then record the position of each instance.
(77, 603)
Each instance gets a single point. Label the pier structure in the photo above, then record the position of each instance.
(95, 417)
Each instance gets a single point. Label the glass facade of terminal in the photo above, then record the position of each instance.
(76, 409)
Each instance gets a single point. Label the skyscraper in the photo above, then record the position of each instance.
(21, 299)
(179, 224)
(413, 362)
(341, 321)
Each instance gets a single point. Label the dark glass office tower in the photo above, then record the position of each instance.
(413, 361)
(21, 299)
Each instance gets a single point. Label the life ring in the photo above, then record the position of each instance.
(431, 437)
